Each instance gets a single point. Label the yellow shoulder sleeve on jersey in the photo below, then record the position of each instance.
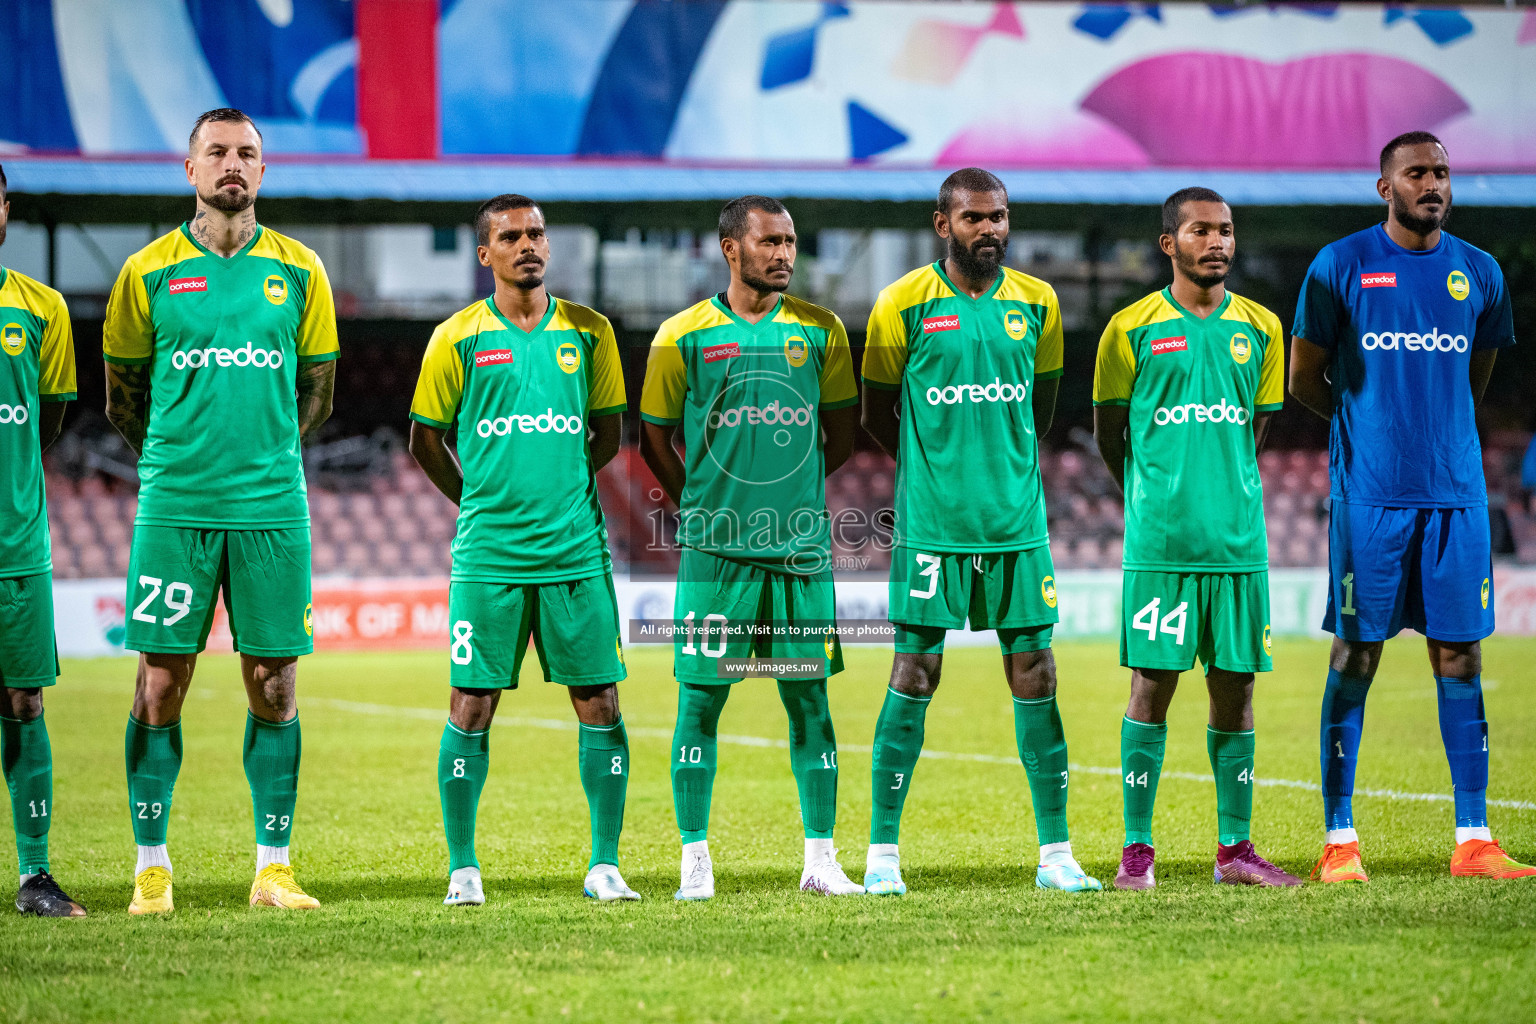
(441, 384)
(128, 335)
(1114, 371)
(607, 393)
(56, 361)
(838, 388)
(1271, 393)
(1050, 354)
(317, 328)
(885, 345)
(666, 381)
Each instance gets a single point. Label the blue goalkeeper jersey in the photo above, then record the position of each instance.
(1402, 327)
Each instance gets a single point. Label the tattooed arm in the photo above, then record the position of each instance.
(128, 401)
(316, 383)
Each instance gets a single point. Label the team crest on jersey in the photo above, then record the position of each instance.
(796, 350)
(1242, 348)
(13, 338)
(568, 356)
(309, 620)
(1048, 590)
(1266, 639)
(1013, 323)
(1485, 592)
(275, 289)
(1458, 285)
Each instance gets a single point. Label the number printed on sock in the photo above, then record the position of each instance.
(276, 824)
(1133, 780)
(900, 779)
(43, 813)
(1063, 780)
(829, 760)
(618, 765)
(1246, 776)
(458, 767)
(689, 755)
(149, 812)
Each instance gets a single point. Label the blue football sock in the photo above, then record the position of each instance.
(1464, 731)
(1343, 719)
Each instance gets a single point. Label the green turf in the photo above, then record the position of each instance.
(973, 940)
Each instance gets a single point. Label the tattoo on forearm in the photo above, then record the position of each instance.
(128, 401)
(315, 384)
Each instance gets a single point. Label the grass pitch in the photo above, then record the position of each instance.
(973, 940)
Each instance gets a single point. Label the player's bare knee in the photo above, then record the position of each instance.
(1031, 674)
(596, 705)
(1456, 659)
(916, 675)
(472, 710)
(161, 686)
(1152, 691)
(1357, 659)
(272, 686)
(1231, 699)
(24, 703)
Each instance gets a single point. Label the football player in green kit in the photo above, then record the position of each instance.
(534, 385)
(220, 342)
(1186, 382)
(37, 376)
(762, 385)
(961, 366)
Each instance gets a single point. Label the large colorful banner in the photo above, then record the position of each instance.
(382, 614)
(1070, 86)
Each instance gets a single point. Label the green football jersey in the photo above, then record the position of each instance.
(224, 338)
(38, 364)
(968, 468)
(748, 397)
(521, 399)
(1193, 499)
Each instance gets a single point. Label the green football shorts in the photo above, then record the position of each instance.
(1168, 618)
(176, 572)
(574, 625)
(29, 653)
(733, 610)
(1013, 592)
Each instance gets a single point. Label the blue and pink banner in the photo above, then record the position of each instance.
(738, 83)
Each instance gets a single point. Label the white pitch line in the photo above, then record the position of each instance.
(561, 724)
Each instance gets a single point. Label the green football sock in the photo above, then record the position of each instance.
(898, 742)
(1142, 745)
(1043, 749)
(463, 761)
(271, 758)
(812, 753)
(1232, 764)
(28, 761)
(153, 754)
(693, 756)
(603, 754)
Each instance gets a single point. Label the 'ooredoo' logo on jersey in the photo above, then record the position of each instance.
(494, 357)
(1434, 341)
(1221, 412)
(1378, 280)
(1179, 344)
(266, 358)
(941, 323)
(772, 415)
(13, 414)
(997, 391)
(187, 284)
(546, 422)
(715, 353)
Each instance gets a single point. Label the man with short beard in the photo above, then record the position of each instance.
(960, 370)
(220, 341)
(1396, 331)
(534, 384)
(1185, 385)
(760, 386)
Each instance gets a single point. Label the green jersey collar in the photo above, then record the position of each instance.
(1215, 314)
(997, 282)
(768, 317)
(490, 303)
(186, 229)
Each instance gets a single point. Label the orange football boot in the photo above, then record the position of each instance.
(1482, 858)
(1340, 862)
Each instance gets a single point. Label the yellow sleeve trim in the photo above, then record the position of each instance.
(666, 381)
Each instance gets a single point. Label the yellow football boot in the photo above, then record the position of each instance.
(152, 892)
(275, 887)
